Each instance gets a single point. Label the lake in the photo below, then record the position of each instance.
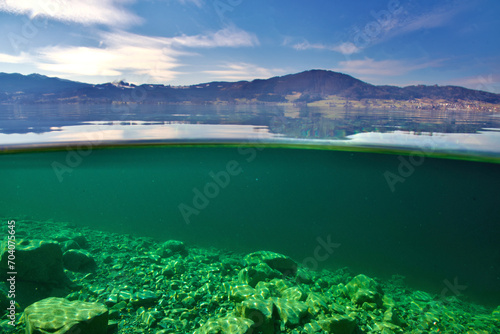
(410, 194)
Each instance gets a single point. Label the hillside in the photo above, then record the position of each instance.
(305, 87)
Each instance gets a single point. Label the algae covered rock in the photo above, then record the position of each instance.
(69, 244)
(36, 261)
(305, 276)
(241, 292)
(422, 296)
(65, 236)
(363, 289)
(294, 293)
(226, 325)
(175, 267)
(81, 240)
(79, 261)
(313, 327)
(143, 298)
(40, 273)
(496, 313)
(276, 261)
(338, 324)
(263, 290)
(254, 274)
(60, 316)
(391, 315)
(317, 303)
(387, 327)
(290, 311)
(171, 247)
(261, 312)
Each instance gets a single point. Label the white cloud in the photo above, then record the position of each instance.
(369, 66)
(9, 59)
(243, 71)
(122, 54)
(114, 61)
(438, 17)
(107, 12)
(346, 48)
(488, 82)
(401, 23)
(227, 37)
(307, 46)
(385, 27)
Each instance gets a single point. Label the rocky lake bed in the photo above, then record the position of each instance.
(72, 278)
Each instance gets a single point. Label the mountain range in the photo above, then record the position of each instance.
(304, 87)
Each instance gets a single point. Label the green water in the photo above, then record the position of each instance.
(431, 220)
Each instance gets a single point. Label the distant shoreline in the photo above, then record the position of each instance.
(337, 103)
(310, 88)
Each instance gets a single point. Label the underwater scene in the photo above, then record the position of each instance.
(249, 219)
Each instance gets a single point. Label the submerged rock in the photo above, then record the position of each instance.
(178, 294)
(77, 240)
(149, 318)
(226, 325)
(313, 327)
(422, 296)
(79, 261)
(61, 316)
(143, 298)
(36, 261)
(260, 312)
(363, 289)
(241, 292)
(305, 276)
(175, 267)
(392, 315)
(317, 303)
(69, 244)
(290, 311)
(338, 324)
(264, 291)
(294, 293)
(496, 313)
(255, 274)
(81, 240)
(276, 261)
(387, 327)
(39, 267)
(170, 247)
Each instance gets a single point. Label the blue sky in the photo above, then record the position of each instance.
(179, 42)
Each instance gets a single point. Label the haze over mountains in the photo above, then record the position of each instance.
(304, 87)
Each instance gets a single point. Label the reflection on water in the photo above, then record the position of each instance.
(34, 124)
